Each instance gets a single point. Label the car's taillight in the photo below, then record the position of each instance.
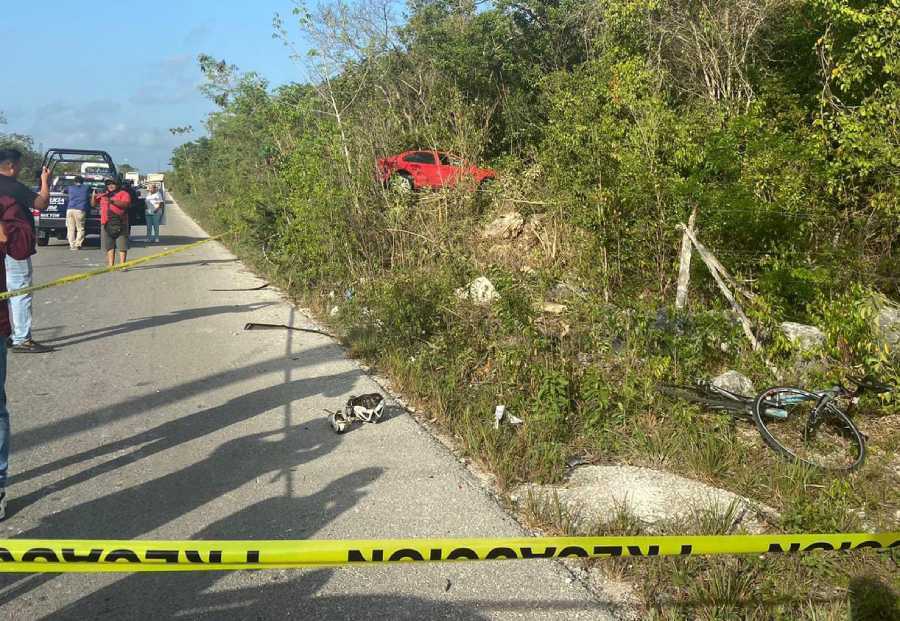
(35, 212)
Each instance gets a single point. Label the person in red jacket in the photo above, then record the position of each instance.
(114, 205)
(16, 239)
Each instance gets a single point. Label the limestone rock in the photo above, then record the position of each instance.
(507, 226)
(480, 291)
(597, 494)
(805, 338)
(733, 381)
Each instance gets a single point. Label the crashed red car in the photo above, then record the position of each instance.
(412, 170)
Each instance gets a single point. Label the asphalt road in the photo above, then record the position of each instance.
(158, 417)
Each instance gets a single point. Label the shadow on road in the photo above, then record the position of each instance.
(137, 510)
(156, 321)
(286, 593)
(135, 406)
(183, 430)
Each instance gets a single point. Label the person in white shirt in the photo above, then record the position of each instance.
(156, 202)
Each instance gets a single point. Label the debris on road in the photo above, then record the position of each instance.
(367, 408)
(281, 326)
(259, 288)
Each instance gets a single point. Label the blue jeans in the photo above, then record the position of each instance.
(18, 276)
(4, 416)
(153, 224)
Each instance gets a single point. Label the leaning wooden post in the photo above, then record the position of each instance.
(710, 259)
(684, 268)
(711, 264)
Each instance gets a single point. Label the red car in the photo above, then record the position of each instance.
(412, 170)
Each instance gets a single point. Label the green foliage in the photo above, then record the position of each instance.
(609, 123)
(31, 159)
(410, 307)
(847, 319)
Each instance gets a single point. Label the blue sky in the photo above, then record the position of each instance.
(118, 75)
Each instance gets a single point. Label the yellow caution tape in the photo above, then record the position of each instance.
(66, 280)
(80, 555)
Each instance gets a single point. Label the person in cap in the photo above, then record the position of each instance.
(114, 203)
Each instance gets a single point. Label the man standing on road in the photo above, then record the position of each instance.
(18, 269)
(155, 203)
(16, 238)
(114, 205)
(76, 212)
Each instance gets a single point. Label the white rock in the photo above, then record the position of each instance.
(480, 291)
(733, 381)
(805, 338)
(507, 226)
(596, 493)
(334, 311)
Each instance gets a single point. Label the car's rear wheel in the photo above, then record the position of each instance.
(401, 182)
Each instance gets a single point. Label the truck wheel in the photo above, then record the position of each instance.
(43, 239)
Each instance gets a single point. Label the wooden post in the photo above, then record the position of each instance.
(710, 259)
(718, 273)
(684, 268)
(713, 266)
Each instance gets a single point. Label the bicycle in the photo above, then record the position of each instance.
(812, 427)
(803, 426)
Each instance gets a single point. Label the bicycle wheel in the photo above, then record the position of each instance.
(788, 421)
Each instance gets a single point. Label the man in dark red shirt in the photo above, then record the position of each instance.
(114, 205)
(19, 270)
(16, 239)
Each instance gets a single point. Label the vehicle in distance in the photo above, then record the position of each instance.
(412, 170)
(134, 177)
(65, 164)
(95, 168)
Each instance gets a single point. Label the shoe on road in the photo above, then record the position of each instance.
(31, 347)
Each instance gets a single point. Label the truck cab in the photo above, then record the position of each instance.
(65, 164)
